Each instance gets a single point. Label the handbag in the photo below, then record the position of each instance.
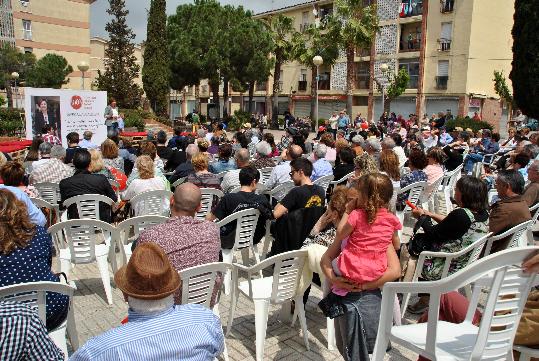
(418, 243)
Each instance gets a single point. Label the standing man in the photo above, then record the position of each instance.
(195, 119)
(111, 117)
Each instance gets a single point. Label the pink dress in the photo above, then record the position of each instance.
(363, 257)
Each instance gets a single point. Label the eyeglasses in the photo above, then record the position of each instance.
(292, 172)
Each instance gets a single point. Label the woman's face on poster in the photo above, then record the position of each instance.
(43, 106)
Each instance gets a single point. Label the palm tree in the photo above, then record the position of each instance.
(358, 25)
(281, 29)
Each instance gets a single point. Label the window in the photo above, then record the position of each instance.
(445, 37)
(446, 6)
(303, 75)
(363, 75)
(27, 30)
(304, 21)
(443, 74)
(302, 84)
(412, 67)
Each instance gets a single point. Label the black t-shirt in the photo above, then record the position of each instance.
(452, 227)
(305, 196)
(235, 202)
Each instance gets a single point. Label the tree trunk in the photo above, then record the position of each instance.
(225, 97)
(350, 79)
(275, 100)
(251, 95)
(214, 86)
(313, 97)
(387, 105)
(9, 94)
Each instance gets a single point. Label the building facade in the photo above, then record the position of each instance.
(450, 48)
(53, 26)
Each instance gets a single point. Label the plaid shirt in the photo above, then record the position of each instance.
(52, 171)
(51, 138)
(23, 335)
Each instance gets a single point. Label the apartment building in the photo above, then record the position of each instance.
(52, 26)
(449, 47)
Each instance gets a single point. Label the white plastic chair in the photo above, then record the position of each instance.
(265, 174)
(235, 189)
(473, 251)
(526, 353)
(151, 203)
(87, 205)
(440, 340)
(198, 286)
(33, 294)
(279, 192)
(49, 192)
(40, 203)
(415, 190)
(324, 182)
(534, 211)
(429, 194)
(76, 241)
(280, 288)
(129, 231)
(335, 183)
(207, 201)
(448, 190)
(246, 221)
(516, 235)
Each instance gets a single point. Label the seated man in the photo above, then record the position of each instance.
(531, 192)
(246, 198)
(171, 157)
(72, 146)
(54, 170)
(24, 336)
(281, 173)
(186, 168)
(84, 182)
(44, 155)
(86, 141)
(157, 329)
(199, 242)
(35, 215)
(321, 167)
(231, 179)
(511, 209)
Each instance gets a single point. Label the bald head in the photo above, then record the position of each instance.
(294, 152)
(242, 157)
(186, 199)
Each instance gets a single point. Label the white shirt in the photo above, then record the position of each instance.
(39, 163)
(279, 175)
(115, 112)
(430, 142)
(401, 155)
(87, 144)
(230, 180)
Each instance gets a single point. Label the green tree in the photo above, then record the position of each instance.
(12, 60)
(50, 71)
(525, 71)
(121, 66)
(397, 84)
(313, 41)
(501, 88)
(358, 25)
(155, 70)
(281, 29)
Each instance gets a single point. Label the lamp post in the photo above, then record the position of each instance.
(15, 77)
(83, 67)
(384, 68)
(317, 61)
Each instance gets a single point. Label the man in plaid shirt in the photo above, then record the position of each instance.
(54, 170)
(23, 336)
(49, 137)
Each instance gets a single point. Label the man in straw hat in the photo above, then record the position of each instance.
(157, 330)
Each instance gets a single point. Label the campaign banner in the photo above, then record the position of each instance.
(65, 111)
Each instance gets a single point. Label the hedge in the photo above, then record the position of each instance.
(134, 119)
(11, 123)
(467, 122)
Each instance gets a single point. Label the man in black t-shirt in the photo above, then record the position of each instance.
(246, 198)
(305, 194)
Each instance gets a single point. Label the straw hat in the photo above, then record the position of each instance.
(148, 275)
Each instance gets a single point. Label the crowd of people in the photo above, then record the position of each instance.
(357, 239)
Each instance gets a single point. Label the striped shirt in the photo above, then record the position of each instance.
(23, 335)
(188, 332)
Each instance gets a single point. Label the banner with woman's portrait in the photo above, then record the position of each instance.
(65, 111)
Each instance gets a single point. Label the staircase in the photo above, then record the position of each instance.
(154, 125)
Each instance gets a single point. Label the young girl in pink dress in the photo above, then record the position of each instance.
(366, 229)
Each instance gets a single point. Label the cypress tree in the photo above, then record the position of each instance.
(525, 71)
(155, 70)
(121, 66)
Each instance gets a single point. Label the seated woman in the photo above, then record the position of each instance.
(97, 165)
(389, 165)
(225, 161)
(26, 255)
(417, 161)
(268, 137)
(12, 174)
(149, 149)
(363, 164)
(344, 163)
(434, 169)
(147, 181)
(202, 178)
(452, 233)
(110, 153)
(327, 139)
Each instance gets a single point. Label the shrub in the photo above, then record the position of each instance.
(240, 117)
(467, 122)
(2, 101)
(133, 118)
(11, 122)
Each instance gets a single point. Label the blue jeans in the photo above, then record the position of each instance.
(470, 160)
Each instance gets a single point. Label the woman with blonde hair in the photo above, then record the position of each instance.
(97, 164)
(389, 165)
(147, 181)
(202, 177)
(26, 255)
(109, 151)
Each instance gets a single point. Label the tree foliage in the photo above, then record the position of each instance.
(121, 66)
(155, 70)
(525, 71)
(50, 71)
(397, 84)
(501, 88)
(13, 60)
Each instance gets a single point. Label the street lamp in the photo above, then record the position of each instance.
(83, 67)
(15, 77)
(317, 61)
(384, 68)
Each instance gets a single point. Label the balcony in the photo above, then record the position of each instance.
(407, 10)
(410, 39)
(446, 6)
(441, 82)
(444, 44)
(302, 85)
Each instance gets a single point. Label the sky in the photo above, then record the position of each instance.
(138, 10)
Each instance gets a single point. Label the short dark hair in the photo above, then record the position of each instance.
(82, 159)
(225, 151)
(346, 155)
(73, 137)
(496, 137)
(161, 137)
(248, 175)
(302, 164)
(417, 159)
(46, 128)
(397, 138)
(522, 159)
(474, 193)
(178, 130)
(12, 174)
(513, 179)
